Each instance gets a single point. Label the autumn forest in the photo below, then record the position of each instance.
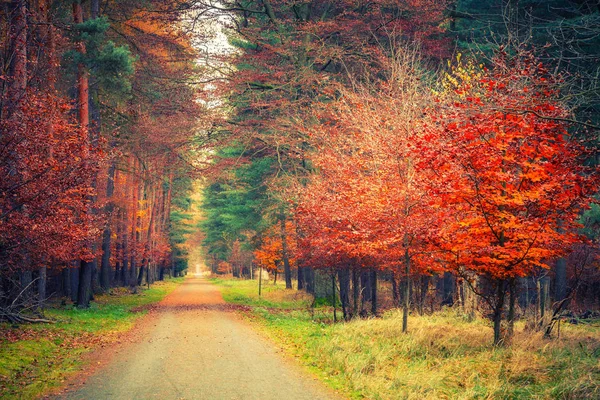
(402, 194)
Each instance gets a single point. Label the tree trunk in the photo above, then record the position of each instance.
(133, 271)
(365, 283)
(355, 291)
(135, 232)
(124, 270)
(344, 279)
(66, 281)
(449, 289)
(301, 280)
(148, 275)
(472, 302)
(145, 265)
(395, 290)
(423, 293)
(124, 248)
(560, 280)
(140, 277)
(106, 237)
(84, 293)
(260, 281)
(333, 300)
(406, 299)
(41, 284)
(497, 312)
(309, 275)
(285, 256)
(95, 274)
(512, 289)
(117, 273)
(544, 298)
(25, 279)
(18, 35)
(82, 75)
(373, 280)
(74, 283)
(95, 8)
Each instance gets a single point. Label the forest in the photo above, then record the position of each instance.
(98, 117)
(371, 156)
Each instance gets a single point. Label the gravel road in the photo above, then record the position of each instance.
(191, 346)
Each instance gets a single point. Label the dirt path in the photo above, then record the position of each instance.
(192, 347)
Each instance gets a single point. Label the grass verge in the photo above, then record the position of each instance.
(245, 292)
(37, 358)
(443, 356)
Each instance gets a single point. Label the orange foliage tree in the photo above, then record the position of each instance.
(369, 203)
(269, 255)
(514, 179)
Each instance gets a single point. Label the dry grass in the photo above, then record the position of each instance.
(443, 356)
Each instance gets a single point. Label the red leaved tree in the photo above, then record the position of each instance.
(513, 176)
(370, 203)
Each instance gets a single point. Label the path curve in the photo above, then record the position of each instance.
(194, 347)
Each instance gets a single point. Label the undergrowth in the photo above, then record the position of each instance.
(443, 356)
(37, 358)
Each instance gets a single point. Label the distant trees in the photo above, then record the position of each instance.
(289, 54)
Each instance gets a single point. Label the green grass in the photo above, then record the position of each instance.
(245, 292)
(443, 356)
(37, 358)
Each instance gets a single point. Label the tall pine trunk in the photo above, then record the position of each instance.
(106, 236)
(18, 66)
(84, 292)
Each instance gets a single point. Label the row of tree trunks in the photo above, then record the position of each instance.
(70, 113)
(357, 288)
(285, 255)
(350, 287)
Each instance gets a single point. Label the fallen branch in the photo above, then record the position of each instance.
(16, 318)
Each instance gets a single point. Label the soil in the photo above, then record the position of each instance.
(192, 345)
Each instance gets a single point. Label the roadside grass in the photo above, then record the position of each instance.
(245, 292)
(37, 358)
(444, 356)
